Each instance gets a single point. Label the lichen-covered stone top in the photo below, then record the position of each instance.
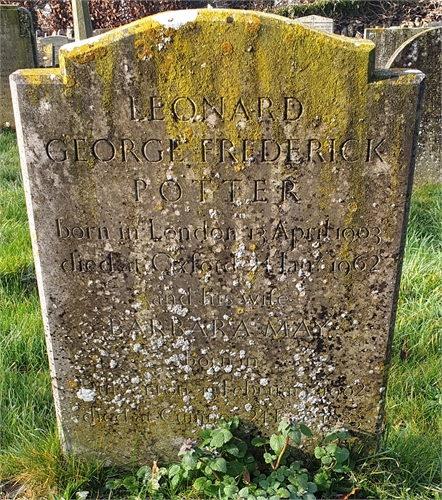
(218, 201)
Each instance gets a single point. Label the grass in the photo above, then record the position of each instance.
(408, 465)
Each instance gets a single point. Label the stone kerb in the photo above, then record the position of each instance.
(217, 201)
(423, 51)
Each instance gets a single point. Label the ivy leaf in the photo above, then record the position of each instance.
(331, 448)
(244, 492)
(277, 443)
(230, 490)
(175, 480)
(303, 481)
(235, 468)
(294, 466)
(283, 425)
(206, 434)
(330, 437)
(308, 496)
(144, 472)
(280, 476)
(201, 483)
(131, 484)
(259, 441)
(312, 488)
(232, 449)
(295, 435)
(114, 484)
(343, 435)
(220, 437)
(320, 452)
(264, 484)
(242, 447)
(234, 423)
(219, 464)
(283, 493)
(190, 460)
(212, 490)
(174, 470)
(305, 430)
(341, 454)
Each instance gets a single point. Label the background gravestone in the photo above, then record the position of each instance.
(317, 22)
(388, 40)
(214, 232)
(48, 49)
(17, 50)
(424, 52)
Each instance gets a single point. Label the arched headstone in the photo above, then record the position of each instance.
(218, 202)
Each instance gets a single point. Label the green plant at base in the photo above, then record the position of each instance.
(145, 482)
(222, 461)
(223, 467)
(335, 460)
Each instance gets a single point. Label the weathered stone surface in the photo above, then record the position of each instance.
(17, 50)
(388, 40)
(317, 22)
(217, 201)
(424, 52)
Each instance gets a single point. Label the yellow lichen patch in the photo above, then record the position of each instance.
(32, 79)
(86, 53)
(154, 35)
(72, 384)
(238, 167)
(253, 25)
(226, 48)
(105, 66)
(39, 76)
(165, 67)
(68, 81)
(144, 49)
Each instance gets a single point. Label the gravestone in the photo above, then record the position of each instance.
(388, 40)
(218, 201)
(424, 52)
(48, 49)
(17, 50)
(317, 22)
